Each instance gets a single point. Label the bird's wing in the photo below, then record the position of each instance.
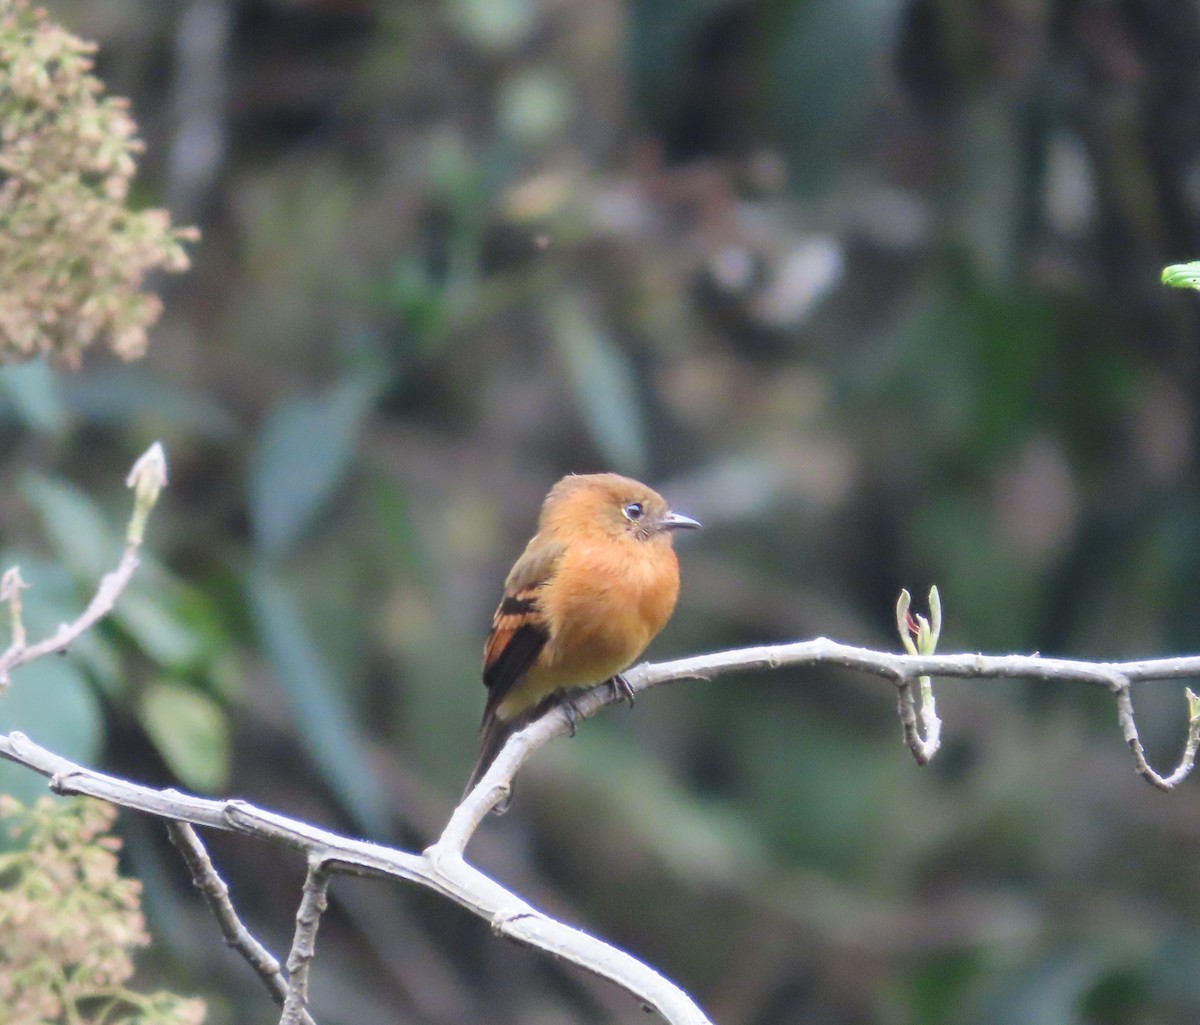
(519, 630)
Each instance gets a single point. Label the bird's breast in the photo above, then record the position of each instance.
(607, 606)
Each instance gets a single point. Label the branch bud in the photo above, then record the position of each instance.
(935, 619)
(1182, 275)
(11, 586)
(147, 478)
(919, 635)
(904, 622)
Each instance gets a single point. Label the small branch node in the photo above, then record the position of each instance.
(442, 857)
(61, 782)
(238, 812)
(503, 921)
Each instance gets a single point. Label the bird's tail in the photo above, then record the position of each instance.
(494, 734)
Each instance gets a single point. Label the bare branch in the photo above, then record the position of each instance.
(443, 868)
(111, 585)
(923, 748)
(440, 869)
(1129, 727)
(216, 893)
(903, 670)
(147, 478)
(11, 586)
(304, 941)
(898, 667)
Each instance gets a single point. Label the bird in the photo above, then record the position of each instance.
(594, 585)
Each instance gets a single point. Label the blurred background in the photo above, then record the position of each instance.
(870, 287)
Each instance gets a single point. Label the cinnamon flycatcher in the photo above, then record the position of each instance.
(594, 585)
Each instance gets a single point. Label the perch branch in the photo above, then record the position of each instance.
(443, 868)
(902, 670)
(440, 869)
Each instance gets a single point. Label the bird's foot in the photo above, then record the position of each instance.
(622, 690)
(571, 712)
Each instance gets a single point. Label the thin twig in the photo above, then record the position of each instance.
(1129, 727)
(147, 479)
(923, 748)
(111, 586)
(216, 893)
(304, 940)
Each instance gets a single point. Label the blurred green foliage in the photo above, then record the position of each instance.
(870, 288)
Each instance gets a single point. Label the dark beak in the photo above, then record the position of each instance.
(677, 521)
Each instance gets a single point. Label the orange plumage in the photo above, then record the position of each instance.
(594, 585)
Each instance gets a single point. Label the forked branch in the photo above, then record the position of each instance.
(442, 867)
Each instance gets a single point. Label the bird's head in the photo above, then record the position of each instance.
(609, 505)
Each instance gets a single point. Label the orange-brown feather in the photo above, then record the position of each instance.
(591, 590)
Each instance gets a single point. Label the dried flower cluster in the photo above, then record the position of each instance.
(72, 254)
(69, 923)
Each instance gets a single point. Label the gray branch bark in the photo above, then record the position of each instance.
(442, 867)
(439, 868)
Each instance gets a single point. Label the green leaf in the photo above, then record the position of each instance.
(696, 841)
(33, 389)
(163, 636)
(325, 723)
(604, 384)
(497, 25)
(417, 299)
(533, 104)
(303, 452)
(78, 530)
(50, 701)
(1182, 275)
(190, 731)
(131, 395)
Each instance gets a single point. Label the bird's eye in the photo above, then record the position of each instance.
(634, 511)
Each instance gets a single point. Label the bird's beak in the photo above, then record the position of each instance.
(677, 521)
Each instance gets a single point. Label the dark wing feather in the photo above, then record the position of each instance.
(510, 651)
(519, 631)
